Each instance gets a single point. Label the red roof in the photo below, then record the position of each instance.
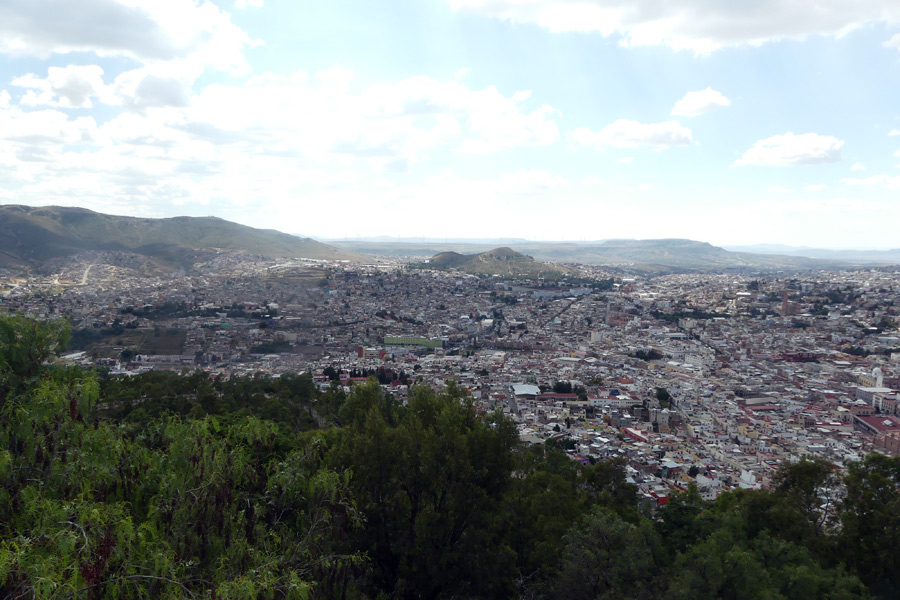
(881, 423)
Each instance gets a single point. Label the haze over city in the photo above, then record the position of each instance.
(731, 123)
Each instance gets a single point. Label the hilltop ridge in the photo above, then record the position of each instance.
(31, 236)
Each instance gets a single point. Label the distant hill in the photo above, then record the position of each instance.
(30, 236)
(663, 255)
(670, 255)
(499, 261)
(861, 256)
(388, 239)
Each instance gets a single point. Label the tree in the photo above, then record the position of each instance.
(812, 486)
(543, 502)
(562, 387)
(685, 520)
(172, 509)
(605, 484)
(25, 344)
(727, 565)
(606, 557)
(430, 478)
(662, 394)
(870, 519)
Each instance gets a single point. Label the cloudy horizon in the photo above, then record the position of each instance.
(731, 123)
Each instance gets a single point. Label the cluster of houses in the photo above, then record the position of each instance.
(711, 379)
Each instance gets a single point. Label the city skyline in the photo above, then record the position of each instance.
(765, 124)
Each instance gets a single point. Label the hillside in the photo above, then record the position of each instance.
(499, 261)
(30, 236)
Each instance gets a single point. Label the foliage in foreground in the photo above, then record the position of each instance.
(184, 487)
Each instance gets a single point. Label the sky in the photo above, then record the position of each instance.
(730, 122)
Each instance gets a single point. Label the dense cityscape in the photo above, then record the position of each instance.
(715, 379)
(449, 300)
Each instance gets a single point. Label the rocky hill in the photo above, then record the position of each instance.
(499, 261)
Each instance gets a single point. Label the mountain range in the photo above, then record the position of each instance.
(652, 256)
(32, 236)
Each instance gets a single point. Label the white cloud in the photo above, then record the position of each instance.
(69, 87)
(76, 86)
(32, 142)
(777, 189)
(894, 132)
(162, 30)
(173, 43)
(246, 3)
(496, 199)
(894, 42)
(155, 85)
(625, 133)
(858, 167)
(697, 103)
(790, 149)
(461, 73)
(592, 181)
(50, 126)
(700, 26)
(272, 137)
(875, 182)
(493, 121)
(817, 187)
